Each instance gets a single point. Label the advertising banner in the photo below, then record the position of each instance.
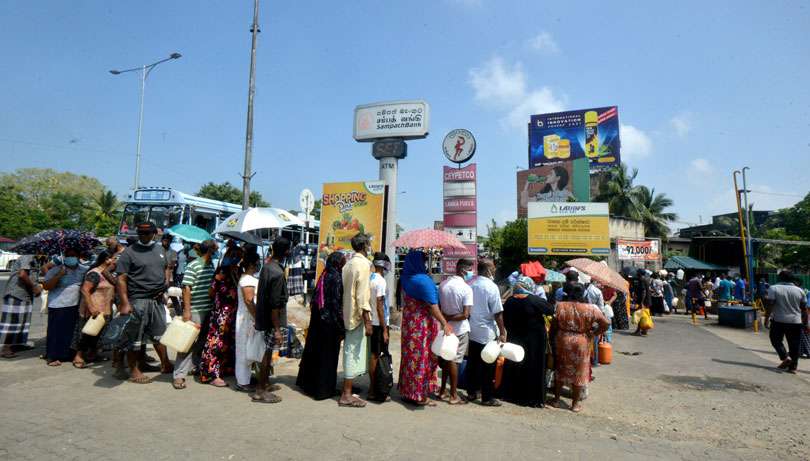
(394, 119)
(568, 229)
(348, 208)
(460, 217)
(550, 183)
(563, 136)
(638, 250)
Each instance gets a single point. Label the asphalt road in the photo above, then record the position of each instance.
(688, 394)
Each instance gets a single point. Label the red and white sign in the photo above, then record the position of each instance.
(638, 250)
(460, 217)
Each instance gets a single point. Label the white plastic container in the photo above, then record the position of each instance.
(180, 335)
(94, 325)
(445, 347)
(512, 352)
(490, 352)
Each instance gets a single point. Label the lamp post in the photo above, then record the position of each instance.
(145, 70)
(748, 231)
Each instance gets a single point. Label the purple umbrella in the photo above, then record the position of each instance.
(56, 241)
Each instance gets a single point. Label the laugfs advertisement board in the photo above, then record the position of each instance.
(460, 214)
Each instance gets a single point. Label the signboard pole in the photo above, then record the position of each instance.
(388, 173)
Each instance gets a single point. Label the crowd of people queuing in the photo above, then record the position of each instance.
(244, 297)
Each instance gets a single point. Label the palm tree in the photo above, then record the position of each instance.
(652, 207)
(618, 191)
(107, 203)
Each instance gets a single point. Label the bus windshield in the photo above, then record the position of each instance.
(163, 216)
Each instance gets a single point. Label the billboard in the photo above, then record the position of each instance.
(394, 119)
(638, 250)
(587, 133)
(460, 213)
(568, 229)
(348, 208)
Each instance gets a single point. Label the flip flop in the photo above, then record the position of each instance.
(80, 365)
(141, 380)
(224, 384)
(54, 363)
(267, 398)
(355, 402)
(458, 401)
(491, 403)
(9, 355)
(179, 384)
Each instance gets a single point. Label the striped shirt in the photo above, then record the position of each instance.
(198, 277)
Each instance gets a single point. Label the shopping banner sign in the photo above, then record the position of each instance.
(638, 250)
(348, 208)
(568, 229)
(460, 214)
(563, 136)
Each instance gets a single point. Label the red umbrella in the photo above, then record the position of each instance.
(600, 272)
(428, 238)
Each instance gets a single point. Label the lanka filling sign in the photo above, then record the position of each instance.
(347, 209)
(568, 228)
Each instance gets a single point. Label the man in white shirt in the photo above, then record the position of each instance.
(379, 319)
(455, 301)
(486, 324)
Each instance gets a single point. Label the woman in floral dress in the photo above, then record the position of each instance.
(574, 321)
(219, 349)
(420, 320)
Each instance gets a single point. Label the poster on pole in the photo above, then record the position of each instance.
(588, 133)
(638, 250)
(568, 229)
(348, 208)
(460, 213)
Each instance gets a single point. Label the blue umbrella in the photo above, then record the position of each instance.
(554, 276)
(190, 233)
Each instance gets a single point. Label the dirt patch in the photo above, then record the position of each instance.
(711, 383)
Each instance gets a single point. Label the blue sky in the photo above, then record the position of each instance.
(703, 88)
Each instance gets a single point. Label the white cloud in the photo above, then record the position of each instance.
(498, 84)
(682, 124)
(540, 101)
(502, 86)
(636, 144)
(702, 166)
(544, 43)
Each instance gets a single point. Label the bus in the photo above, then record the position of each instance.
(166, 207)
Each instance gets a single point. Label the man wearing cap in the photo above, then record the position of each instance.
(379, 318)
(143, 273)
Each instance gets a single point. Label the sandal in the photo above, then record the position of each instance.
(241, 388)
(80, 365)
(355, 402)
(267, 397)
(179, 384)
(141, 380)
(218, 383)
(457, 401)
(9, 355)
(54, 363)
(491, 403)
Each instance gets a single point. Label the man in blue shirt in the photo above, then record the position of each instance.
(739, 288)
(724, 288)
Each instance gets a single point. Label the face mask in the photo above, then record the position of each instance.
(468, 276)
(71, 261)
(148, 244)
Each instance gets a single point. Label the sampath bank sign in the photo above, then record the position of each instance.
(395, 119)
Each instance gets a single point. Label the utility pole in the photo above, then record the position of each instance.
(248, 174)
(748, 232)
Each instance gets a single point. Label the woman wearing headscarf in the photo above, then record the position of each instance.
(317, 372)
(420, 320)
(524, 383)
(98, 294)
(63, 282)
(218, 354)
(245, 319)
(574, 325)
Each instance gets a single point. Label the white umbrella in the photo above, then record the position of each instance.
(257, 218)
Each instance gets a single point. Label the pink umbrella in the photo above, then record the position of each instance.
(428, 238)
(600, 272)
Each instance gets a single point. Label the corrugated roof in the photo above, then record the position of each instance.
(685, 262)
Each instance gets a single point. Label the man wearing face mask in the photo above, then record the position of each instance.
(456, 301)
(142, 279)
(380, 313)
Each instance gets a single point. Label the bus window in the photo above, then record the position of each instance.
(165, 216)
(205, 221)
(134, 215)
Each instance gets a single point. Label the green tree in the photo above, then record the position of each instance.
(652, 208)
(227, 192)
(316, 209)
(108, 204)
(36, 185)
(618, 190)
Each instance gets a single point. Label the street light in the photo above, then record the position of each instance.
(145, 70)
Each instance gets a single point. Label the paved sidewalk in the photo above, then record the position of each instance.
(690, 394)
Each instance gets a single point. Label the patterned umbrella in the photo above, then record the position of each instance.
(189, 233)
(428, 238)
(56, 241)
(554, 276)
(600, 272)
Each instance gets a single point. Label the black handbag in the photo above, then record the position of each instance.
(384, 375)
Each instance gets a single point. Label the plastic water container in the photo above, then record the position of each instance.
(175, 292)
(94, 325)
(512, 352)
(180, 335)
(445, 347)
(490, 352)
(605, 353)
